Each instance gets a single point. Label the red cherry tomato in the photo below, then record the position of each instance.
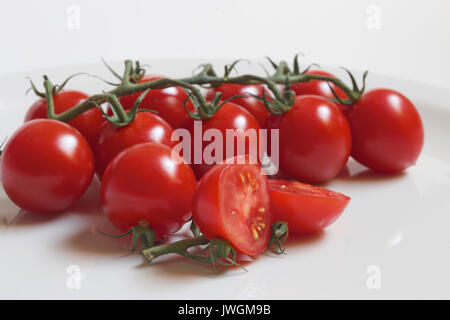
(46, 166)
(147, 183)
(87, 123)
(229, 116)
(318, 87)
(232, 202)
(251, 104)
(147, 127)
(387, 131)
(169, 102)
(304, 207)
(315, 139)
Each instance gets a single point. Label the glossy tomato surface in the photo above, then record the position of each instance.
(304, 207)
(232, 202)
(387, 131)
(46, 166)
(244, 126)
(145, 183)
(147, 127)
(251, 104)
(314, 139)
(169, 102)
(318, 87)
(88, 123)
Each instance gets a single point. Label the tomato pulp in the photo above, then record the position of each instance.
(232, 202)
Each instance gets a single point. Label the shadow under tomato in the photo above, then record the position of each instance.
(368, 175)
(25, 218)
(299, 240)
(90, 241)
(177, 266)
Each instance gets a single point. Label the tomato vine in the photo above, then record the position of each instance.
(279, 102)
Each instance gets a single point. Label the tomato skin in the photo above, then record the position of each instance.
(88, 123)
(143, 183)
(46, 166)
(169, 102)
(229, 116)
(304, 207)
(147, 127)
(251, 104)
(315, 139)
(387, 131)
(318, 87)
(217, 193)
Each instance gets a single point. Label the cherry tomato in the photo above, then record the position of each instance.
(251, 104)
(229, 116)
(304, 207)
(169, 102)
(318, 87)
(232, 202)
(387, 131)
(46, 166)
(147, 183)
(315, 139)
(147, 127)
(88, 123)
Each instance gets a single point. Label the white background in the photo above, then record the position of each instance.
(412, 41)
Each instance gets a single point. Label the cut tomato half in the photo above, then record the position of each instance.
(305, 208)
(232, 202)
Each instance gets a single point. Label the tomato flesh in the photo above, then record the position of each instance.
(305, 208)
(232, 202)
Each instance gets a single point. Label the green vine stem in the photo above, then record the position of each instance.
(206, 76)
(220, 250)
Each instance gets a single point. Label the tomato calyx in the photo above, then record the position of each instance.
(142, 232)
(206, 111)
(282, 68)
(133, 73)
(358, 92)
(280, 233)
(56, 88)
(275, 105)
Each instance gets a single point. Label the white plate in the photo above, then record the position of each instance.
(391, 242)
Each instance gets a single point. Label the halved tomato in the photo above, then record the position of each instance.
(304, 207)
(232, 202)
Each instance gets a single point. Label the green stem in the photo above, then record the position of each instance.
(206, 76)
(179, 247)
